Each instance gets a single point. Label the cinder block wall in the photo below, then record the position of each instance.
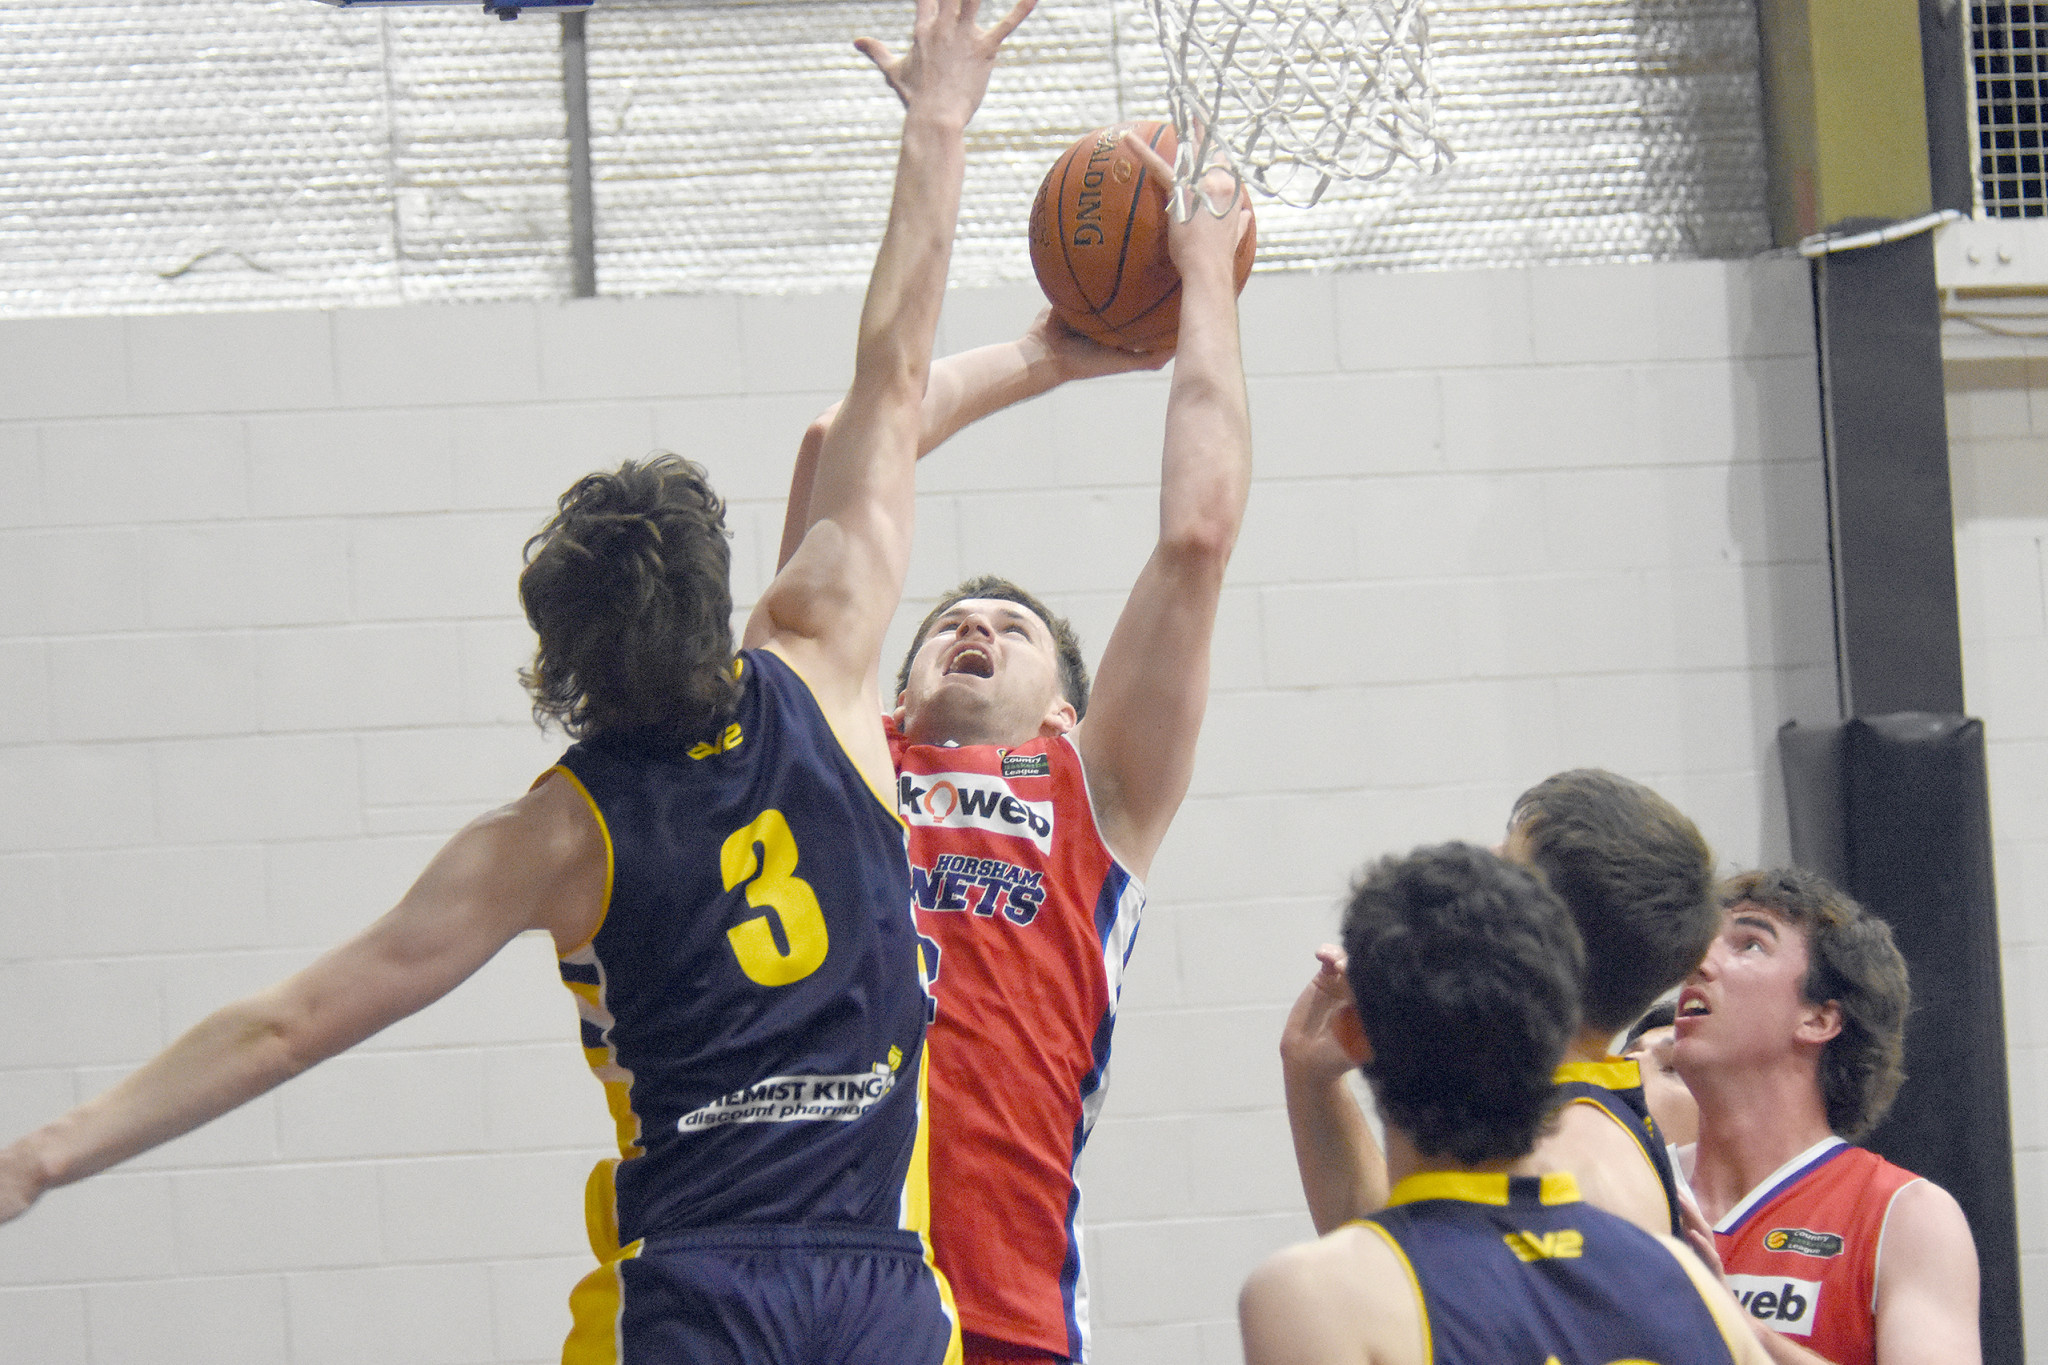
(1998, 458)
(257, 644)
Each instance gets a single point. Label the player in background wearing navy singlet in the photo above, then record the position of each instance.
(1638, 880)
(1466, 969)
(1791, 1036)
(648, 650)
(1035, 808)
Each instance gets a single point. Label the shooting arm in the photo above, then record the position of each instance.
(537, 863)
(1145, 715)
(964, 388)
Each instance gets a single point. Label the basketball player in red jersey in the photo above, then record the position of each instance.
(1032, 826)
(1791, 1035)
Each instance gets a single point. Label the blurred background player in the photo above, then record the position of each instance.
(747, 976)
(1638, 880)
(1791, 1037)
(1032, 827)
(1465, 969)
(1649, 1046)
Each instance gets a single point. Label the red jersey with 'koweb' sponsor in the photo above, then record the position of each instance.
(1801, 1250)
(1032, 919)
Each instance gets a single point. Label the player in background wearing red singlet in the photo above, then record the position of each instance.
(1790, 1036)
(1035, 810)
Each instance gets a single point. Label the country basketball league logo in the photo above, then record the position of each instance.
(1803, 1241)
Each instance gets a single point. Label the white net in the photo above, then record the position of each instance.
(1303, 93)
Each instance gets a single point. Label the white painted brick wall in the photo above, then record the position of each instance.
(258, 653)
(1998, 455)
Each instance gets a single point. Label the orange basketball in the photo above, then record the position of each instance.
(1098, 241)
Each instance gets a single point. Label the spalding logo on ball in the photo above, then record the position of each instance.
(1098, 241)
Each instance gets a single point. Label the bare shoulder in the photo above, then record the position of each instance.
(1345, 1298)
(1924, 1209)
(545, 851)
(1927, 1240)
(1609, 1163)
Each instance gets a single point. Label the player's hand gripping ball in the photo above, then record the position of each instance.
(1098, 241)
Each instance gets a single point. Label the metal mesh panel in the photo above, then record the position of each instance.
(2008, 44)
(273, 153)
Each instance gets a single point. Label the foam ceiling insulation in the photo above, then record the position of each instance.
(171, 155)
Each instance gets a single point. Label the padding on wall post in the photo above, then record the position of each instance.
(1895, 810)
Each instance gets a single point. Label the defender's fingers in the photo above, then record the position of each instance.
(1007, 25)
(876, 51)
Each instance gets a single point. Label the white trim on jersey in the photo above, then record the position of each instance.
(1770, 1184)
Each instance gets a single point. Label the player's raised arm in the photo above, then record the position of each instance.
(1343, 1171)
(538, 863)
(1152, 686)
(827, 608)
(968, 386)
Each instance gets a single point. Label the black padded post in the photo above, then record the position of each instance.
(1899, 646)
(1893, 809)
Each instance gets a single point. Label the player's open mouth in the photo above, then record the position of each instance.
(1691, 1006)
(971, 660)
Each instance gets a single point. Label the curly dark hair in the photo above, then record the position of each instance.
(1466, 972)
(1067, 645)
(1636, 875)
(628, 587)
(1852, 961)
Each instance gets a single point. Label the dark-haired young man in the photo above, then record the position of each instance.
(1465, 969)
(1031, 828)
(1791, 1036)
(718, 860)
(1638, 880)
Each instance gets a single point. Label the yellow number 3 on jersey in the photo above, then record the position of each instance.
(778, 889)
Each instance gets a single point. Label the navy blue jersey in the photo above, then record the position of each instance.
(1615, 1086)
(751, 998)
(1519, 1269)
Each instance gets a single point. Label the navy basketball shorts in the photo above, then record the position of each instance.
(766, 1296)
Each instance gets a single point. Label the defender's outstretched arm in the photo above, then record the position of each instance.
(538, 863)
(830, 603)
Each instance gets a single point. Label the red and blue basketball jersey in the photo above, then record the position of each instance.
(1615, 1087)
(1032, 919)
(1519, 1268)
(1801, 1250)
(751, 998)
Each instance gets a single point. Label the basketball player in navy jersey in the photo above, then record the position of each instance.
(1791, 1036)
(718, 860)
(1638, 879)
(1466, 972)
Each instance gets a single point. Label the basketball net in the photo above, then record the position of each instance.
(1303, 93)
